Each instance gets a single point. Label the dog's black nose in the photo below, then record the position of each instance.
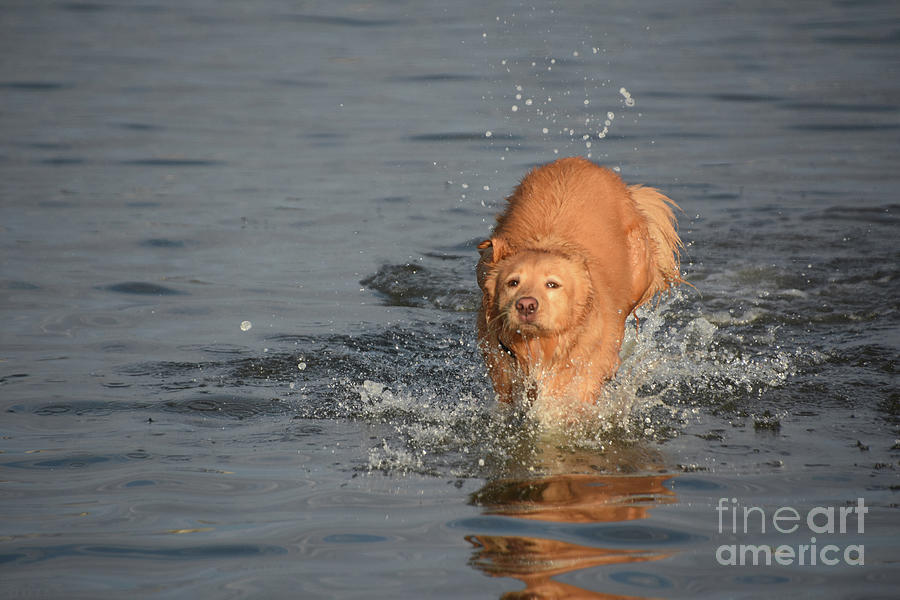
(527, 305)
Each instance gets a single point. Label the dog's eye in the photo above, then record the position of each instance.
(512, 282)
(552, 284)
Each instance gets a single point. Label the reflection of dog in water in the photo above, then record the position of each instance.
(562, 498)
(573, 255)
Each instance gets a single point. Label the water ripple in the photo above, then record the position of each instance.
(143, 288)
(197, 552)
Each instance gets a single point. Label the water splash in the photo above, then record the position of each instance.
(422, 389)
(680, 362)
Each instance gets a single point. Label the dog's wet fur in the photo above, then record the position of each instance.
(573, 255)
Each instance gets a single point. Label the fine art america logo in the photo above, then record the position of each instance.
(824, 523)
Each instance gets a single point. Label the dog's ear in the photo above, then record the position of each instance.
(492, 251)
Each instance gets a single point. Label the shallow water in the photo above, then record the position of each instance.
(237, 288)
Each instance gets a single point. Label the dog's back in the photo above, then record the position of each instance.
(571, 199)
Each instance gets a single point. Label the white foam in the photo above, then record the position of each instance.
(678, 357)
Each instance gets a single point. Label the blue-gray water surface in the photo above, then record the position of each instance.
(238, 358)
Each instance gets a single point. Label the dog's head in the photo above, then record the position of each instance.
(536, 292)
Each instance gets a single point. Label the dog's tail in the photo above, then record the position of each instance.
(665, 246)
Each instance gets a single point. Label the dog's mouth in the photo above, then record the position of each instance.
(531, 329)
(527, 318)
(523, 322)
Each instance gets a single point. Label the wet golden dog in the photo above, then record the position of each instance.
(575, 252)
